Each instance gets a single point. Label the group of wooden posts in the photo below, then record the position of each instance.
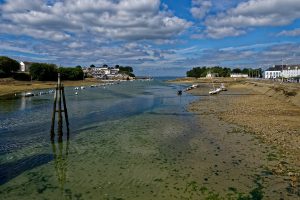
(59, 98)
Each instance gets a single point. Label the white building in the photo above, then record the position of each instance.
(24, 66)
(101, 72)
(273, 72)
(291, 71)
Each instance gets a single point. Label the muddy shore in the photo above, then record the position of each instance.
(10, 86)
(267, 111)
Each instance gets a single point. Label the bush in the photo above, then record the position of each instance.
(21, 77)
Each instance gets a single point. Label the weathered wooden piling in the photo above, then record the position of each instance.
(59, 97)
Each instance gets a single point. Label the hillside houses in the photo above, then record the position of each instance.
(104, 73)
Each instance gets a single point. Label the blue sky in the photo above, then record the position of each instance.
(156, 37)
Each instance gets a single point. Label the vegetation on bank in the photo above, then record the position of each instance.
(48, 72)
(8, 66)
(125, 70)
(198, 72)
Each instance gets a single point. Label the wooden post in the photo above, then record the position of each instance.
(59, 123)
(66, 112)
(53, 115)
(58, 97)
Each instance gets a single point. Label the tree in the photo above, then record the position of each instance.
(237, 71)
(92, 66)
(105, 66)
(117, 66)
(43, 72)
(126, 70)
(71, 73)
(8, 65)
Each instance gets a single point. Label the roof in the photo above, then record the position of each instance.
(276, 68)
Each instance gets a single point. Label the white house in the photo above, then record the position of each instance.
(273, 72)
(24, 66)
(238, 75)
(291, 71)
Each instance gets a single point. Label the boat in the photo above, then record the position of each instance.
(194, 86)
(76, 93)
(29, 94)
(76, 88)
(179, 92)
(223, 88)
(214, 90)
(82, 87)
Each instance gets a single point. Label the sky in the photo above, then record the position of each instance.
(155, 37)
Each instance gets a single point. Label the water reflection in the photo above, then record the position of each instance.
(60, 156)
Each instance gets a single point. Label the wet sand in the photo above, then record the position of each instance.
(262, 114)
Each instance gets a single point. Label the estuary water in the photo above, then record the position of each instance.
(127, 142)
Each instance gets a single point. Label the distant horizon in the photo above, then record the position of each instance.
(156, 37)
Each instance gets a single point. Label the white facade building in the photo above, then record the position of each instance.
(273, 72)
(291, 71)
(269, 74)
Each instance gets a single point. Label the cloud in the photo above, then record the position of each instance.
(253, 13)
(200, 8)
(295, 32)
(124, 19)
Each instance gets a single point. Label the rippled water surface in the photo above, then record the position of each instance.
(127, 141)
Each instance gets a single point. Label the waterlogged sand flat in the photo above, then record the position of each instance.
(162, 153)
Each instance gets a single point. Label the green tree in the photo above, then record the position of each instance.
(126, 70)
(8, 65)
(43, 72)
(92, 66)
(237, 70)
(71, 73)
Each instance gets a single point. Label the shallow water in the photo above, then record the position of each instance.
(119, 136)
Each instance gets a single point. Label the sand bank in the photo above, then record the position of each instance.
(268, 111)
(10, 86)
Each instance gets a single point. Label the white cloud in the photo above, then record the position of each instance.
(253, 13)
(295, 32)
(200, 8)
(124, 19)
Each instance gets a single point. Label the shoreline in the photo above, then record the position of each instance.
(10, 86)
(261, 111)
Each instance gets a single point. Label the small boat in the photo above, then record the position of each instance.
(76, 88)
(76, 93)
(29, 94)
(223, 88)
(82, 87)
(179, 92)
(194, 86)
